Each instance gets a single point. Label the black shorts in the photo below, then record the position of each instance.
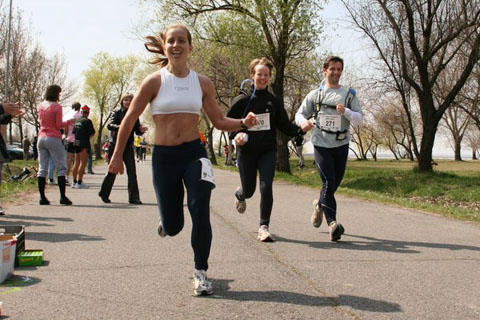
(70, 147)
(79, 149)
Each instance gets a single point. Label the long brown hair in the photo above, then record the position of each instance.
(262, 61)
(126, 96)
(156, 44)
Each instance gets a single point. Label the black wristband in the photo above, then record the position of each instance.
(242, 125)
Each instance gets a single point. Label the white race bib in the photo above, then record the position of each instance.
(207, 171)
(263, 122)
(330, 122)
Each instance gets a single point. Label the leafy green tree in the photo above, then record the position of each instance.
(106, 80)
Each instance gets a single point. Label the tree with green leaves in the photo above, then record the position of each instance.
(106, 80)
(279, 30)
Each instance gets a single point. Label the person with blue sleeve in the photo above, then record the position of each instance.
(330, 110)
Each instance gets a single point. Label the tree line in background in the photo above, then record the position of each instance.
(422, 80)
(30, 72)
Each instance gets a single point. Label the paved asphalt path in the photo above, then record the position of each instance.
(106, 261)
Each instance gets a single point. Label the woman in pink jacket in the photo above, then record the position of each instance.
(50, 143)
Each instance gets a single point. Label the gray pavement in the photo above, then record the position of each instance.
(106, 261)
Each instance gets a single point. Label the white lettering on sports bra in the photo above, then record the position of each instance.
(178, 95)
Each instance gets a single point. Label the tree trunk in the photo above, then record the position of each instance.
(229, 156)
(458, 148)
(428, 139)
(394, 153)
(283, 163)
(98, 145)
(213, 158)
(474, 154)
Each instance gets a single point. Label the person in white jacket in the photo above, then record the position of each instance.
(329, 110)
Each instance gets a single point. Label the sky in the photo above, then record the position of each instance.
(80, 29)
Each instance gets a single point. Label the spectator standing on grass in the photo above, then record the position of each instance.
(7, 112)
(50, 145)
(332, 108)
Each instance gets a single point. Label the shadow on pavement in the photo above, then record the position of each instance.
(61, 237)
(22, 217)
(375, 244)
(112, 205)
(358, 303)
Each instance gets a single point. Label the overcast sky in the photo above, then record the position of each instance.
(80, 29)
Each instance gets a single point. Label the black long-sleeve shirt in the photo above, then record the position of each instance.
(262, 102)
(4, 119)
(114, 124)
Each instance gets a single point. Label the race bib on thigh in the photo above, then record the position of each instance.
(207, 171)
(263, 122)
(330, 122)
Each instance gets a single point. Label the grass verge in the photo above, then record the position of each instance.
(451, 190)
(12, 190)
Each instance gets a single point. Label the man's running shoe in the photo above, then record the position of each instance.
(201, 285)
(264, 235)
(336, 230)
(240, 205)
(160, 230)
(317, 215)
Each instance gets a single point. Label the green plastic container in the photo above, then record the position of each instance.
(29, 258)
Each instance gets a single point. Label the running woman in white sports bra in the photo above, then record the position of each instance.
(176, 94)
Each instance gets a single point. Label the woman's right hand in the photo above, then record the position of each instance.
(240, 139)
(250, 120)
(116, 165)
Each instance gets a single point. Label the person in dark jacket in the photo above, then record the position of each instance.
(258, 145)
(7, 112)
(83, 130)
(128, 154)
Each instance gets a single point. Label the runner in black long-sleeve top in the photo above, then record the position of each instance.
(258, 145)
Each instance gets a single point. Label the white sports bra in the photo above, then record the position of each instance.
(178, 95)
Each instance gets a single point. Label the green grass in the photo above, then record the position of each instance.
(451, 190)
(11, 190)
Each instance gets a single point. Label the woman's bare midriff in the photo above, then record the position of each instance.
(175, 129)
